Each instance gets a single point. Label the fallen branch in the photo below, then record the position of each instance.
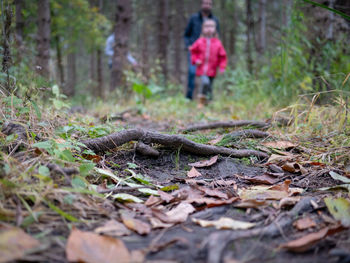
(217, 241)
(227, 124)
(110, 142)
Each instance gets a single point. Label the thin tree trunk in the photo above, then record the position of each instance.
(6, 31)
(163, 35)
(262, 31)
(43, 38)
(93, 71)
(19, 23)
(233, 33)
(178, 41)
(249, 22)
(71, 74)
(99, 88)
(59, 60)
(121, 34)
(223, 25)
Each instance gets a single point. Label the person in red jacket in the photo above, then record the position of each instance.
(209, 55)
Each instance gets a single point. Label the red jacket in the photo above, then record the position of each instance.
(210, 56)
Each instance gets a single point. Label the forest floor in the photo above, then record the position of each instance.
(177, 206)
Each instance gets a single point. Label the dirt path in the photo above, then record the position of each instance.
(221, 188)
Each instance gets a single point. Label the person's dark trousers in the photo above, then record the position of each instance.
(207, 87)
(191, 78)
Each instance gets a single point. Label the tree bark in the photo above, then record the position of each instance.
(6, 38)
(99, 88)
(177, 22)
(59, 60)
(92, 72)
(233, 33)
(163, 37)
(262, 31)
(249, 23)
(19, 23)
(123, 21)
(71, 74)
(43, 38)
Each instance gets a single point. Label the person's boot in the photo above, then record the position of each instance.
(202, 99)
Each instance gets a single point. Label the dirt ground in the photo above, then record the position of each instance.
(189, 242)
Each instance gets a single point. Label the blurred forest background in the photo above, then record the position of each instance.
(278, 49)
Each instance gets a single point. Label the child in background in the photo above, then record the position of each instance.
(208, 54)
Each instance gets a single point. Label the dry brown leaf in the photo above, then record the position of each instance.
(223, 183)
(89, 247)
(209, 202)
(281, 187)
(262, 179)
(136, 225)
(15, 243)
(224, 223)
(180, 213)
(205, 163)
(157, 223)
(113, 228)
(153, 200)
(213, 192)
(276, 158)
(294, 168)
(137, 256)
(250, 203)
(280, 144)
(276, 192)
(306, 242)
(165, 196)
(194, 182)
(193, 173)
(304, 223)
(288, 201)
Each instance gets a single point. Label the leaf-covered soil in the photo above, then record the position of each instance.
(163, 224)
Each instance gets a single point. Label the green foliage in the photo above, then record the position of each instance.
(75, 21)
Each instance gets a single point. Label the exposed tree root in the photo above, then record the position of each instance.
(107, 143)
(217, 241)
(147, 150)
(248, 134)
(226, 124)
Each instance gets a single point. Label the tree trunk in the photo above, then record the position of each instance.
(262, 31)
(163, 29)
(19, 23)
(59, 60)
(43, 38)
(178, 40)
(99, 88)
(6, 38)
(71, 74)
(249, 22)
(123, 21)
(233, 33)
(93, 71)
(223, 25)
